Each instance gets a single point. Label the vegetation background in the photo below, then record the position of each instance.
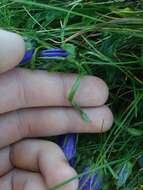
(105, 39)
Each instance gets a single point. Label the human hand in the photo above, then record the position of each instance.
(35, 104)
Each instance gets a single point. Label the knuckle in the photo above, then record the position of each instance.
(21, 89)
(21, 124)
(64, 88)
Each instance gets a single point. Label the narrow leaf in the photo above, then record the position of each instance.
(124, 174)
(135, 132)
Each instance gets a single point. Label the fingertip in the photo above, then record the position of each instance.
(12, 49)
(101, 120)
(59, 172)
(69, 173)
(65, 174)
(93, 92)
(108, 119)
(105, 92)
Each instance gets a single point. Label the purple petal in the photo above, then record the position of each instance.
(90, 181)
(27, 57)
(53, 50)
(68, 144)
(57, 52)
(53, 53)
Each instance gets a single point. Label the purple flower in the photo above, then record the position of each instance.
(57, 52)
(28, 56)
(68, 144)
(90, 181)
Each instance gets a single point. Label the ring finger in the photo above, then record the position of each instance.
(51, 121)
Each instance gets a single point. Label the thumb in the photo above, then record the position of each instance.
(12, 48)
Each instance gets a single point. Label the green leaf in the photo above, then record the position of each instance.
(74, 89)
(141, 161)
(122, 12)
(71, 97)
(135, 132)
(70, 48)
(83, 115)
(141, 57)
(124, 174)
(114, 174)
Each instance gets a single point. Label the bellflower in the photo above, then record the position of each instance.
(49, 53)
(90, 181)
(28, 56)
(68, 145)
(57, 52)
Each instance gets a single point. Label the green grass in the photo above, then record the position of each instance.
(106, 40)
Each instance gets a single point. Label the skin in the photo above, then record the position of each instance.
(35, 104)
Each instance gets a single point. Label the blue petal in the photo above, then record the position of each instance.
(28, 56)
(57, 52)
(90, 181)
(53, 50)
(53, 53)
(68, 144)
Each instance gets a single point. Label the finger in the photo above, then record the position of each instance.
(52, 121)
(47, 158)
(24, 88)
(5, 163)
(12, 50)
(22, 180)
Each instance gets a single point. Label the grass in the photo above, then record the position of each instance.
(106, 40)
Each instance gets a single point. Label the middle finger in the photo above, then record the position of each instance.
(22, 88)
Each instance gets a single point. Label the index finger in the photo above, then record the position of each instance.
(12, 49)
